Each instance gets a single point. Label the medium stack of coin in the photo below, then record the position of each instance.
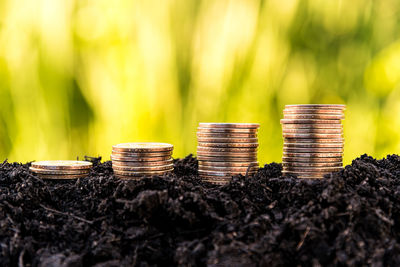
(61, 169)
(136, 160)
(226, 149)
(313, 140)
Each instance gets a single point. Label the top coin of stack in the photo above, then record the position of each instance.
(313, 140)
(135, 160)
(226, 149)
(61, 169)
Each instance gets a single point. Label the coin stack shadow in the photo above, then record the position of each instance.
(136, 160)
(313, 140)
(226, 149)
(61, 169)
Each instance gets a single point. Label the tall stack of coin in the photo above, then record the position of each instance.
(61, 169)
(313, 140)
(226, 149)
(135, 160)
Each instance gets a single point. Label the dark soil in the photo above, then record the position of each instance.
(349, 218)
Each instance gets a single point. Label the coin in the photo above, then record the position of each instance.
(142, 154)
(312, 131)
(312, 155)
(226, 130)
(143, 147)
(312, 135)
(57, 172)
(143, 168)
(227, 154)
(309, 121)
(314, 140)
(138, 177)
(230, 125)
(226, 159)
(315, 164)
(226, 140)
(311, 126)
(225, 173)
(311, 160)
(62, 165)
(311, 169)
(312, 111)
(313, 116)
(216, 182)
(313, 150)
(140, 159)
(228, 149)
(227, 164)
(228, 169)
(141, 163)
(313, 145)
(60, 176)
(142, 173)
(316, 106)
(226, 135)
(228, 145)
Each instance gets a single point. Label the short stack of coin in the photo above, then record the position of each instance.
(61, 169)
(313, 140)
(226, 149)
(136, 160)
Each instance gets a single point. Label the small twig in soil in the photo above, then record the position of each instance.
(304, 238)
(66, 214)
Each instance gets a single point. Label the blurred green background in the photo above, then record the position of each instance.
(77, 77)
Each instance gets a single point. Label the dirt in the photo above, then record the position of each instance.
(351, 217)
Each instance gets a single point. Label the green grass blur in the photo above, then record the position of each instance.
(77, 77)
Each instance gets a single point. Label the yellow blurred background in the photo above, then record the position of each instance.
(77, 77)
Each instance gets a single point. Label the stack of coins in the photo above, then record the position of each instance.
(313, 140)
(226, 149)
(136, 160)
(61, 169)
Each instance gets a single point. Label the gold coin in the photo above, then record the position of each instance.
(229, 125)
(311, 160)
(311, 131)
(313, 150)
(62, 165)
(226, 135)
(57, 172)
(312, 117)
(316, 106)
(143, 147)
(226, 159)
(315, 164)
(142, 154)
(228, 169)
(142, 173)
(312, 135)
(313, 111)
(140, 159)
(226, 130)
(311, 126)
(143, 169)
(227, 154)
(227, 140)
(138, 177)
(313, 140)
(60, 176)
(224, 174)
(215, 182)
(141, 163)
(309, 121)
(229, 145)
(312, 155)
(311, 169)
